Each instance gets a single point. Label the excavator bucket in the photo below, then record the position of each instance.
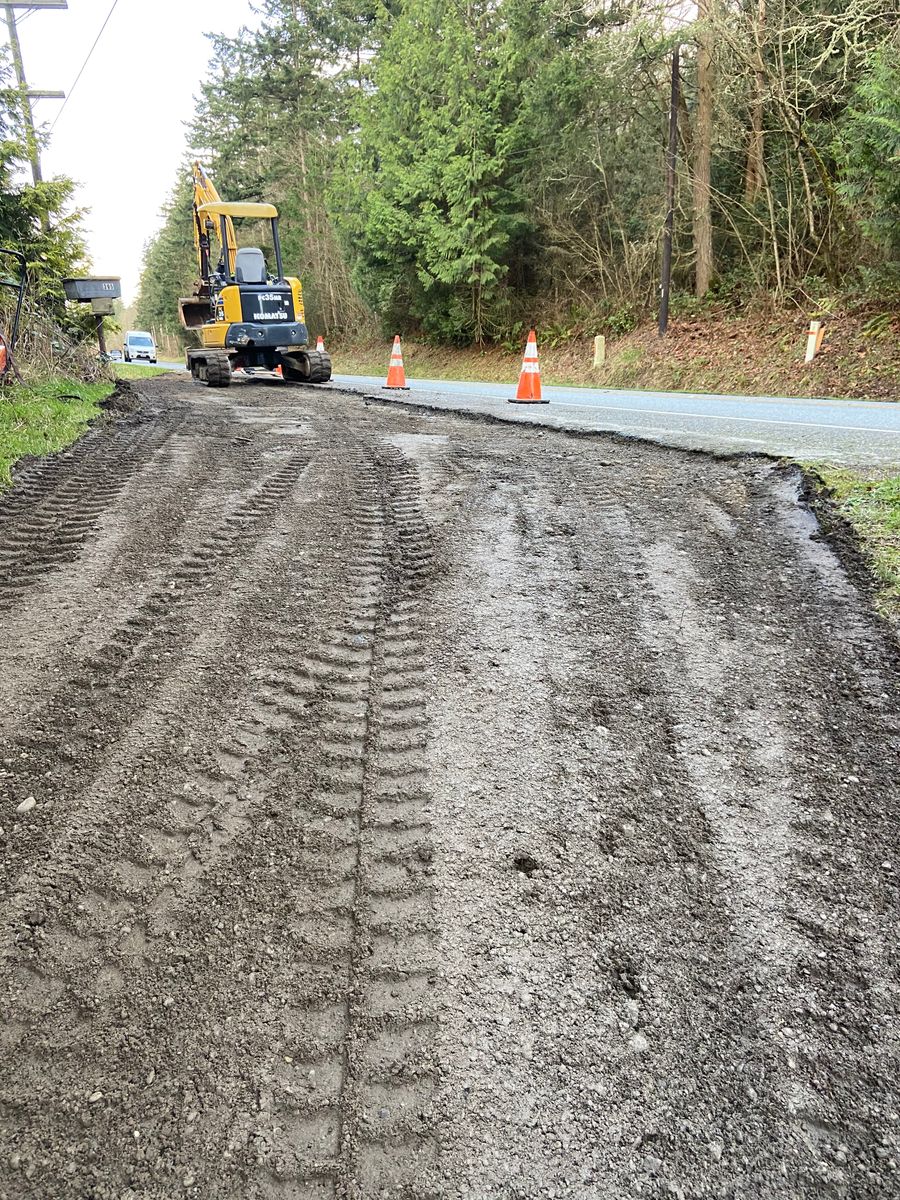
(194, 311)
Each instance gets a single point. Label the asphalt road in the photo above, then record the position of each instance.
(839, 431)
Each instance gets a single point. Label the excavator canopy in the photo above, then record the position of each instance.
(219, 208)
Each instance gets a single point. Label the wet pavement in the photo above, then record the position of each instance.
(827, 430)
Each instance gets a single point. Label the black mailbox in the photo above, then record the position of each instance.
(101, 287)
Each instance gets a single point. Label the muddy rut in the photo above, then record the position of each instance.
(397, 806)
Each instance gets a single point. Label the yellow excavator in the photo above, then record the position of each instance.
(244, 316)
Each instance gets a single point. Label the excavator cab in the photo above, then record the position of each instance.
(243, 315)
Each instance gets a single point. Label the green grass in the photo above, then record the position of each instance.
(123, 370)
(43, 418)
(871, 503)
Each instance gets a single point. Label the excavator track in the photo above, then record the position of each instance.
(213, 368)
(306, 366)
(319, 366)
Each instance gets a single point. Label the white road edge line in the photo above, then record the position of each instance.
(663, 412)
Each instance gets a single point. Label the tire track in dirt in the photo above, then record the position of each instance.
(58, 508)
(124, 905)
(366, 1027)
(86, 715)
(132, 544)
(735, 724)
(367, 1044)
(714, 633)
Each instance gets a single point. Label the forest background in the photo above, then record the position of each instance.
(456, 170)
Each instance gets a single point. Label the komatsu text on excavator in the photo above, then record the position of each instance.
(245, 317)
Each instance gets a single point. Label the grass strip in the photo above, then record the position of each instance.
(136, 371)
(870, 502)
(41, 418)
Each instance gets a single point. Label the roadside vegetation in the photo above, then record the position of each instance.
(744, 356)
(870, 502)
(41, 418)
(56, 383)
(123, 370)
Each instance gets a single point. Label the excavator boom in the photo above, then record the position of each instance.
(208, 231)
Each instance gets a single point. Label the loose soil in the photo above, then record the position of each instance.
(397, 806)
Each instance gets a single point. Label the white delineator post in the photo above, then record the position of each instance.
(814, 339)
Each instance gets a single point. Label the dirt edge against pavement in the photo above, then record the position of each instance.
(813, 492)
(844, 539)
(612, 435)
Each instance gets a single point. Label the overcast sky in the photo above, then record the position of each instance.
(121, 136)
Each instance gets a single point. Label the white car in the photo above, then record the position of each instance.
(139, 344)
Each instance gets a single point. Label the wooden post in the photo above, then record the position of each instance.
(31, 142)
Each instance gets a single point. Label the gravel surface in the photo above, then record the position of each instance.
(394, 805)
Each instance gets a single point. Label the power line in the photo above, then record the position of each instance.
(84, 64)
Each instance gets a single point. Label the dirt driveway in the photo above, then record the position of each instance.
(398, 806)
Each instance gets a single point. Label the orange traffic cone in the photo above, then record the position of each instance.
(396, 375)
(320, 343)
(279, 372)
(529, 389)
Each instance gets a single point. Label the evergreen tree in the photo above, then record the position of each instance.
(869, 149)
(37, 220)
(435, 213)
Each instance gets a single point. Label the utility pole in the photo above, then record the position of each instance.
(671, 156)
(26, 95)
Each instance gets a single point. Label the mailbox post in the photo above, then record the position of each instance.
(99, 291)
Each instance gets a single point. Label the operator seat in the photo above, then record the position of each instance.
(250, 265)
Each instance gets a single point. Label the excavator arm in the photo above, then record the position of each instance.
(207, 232)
